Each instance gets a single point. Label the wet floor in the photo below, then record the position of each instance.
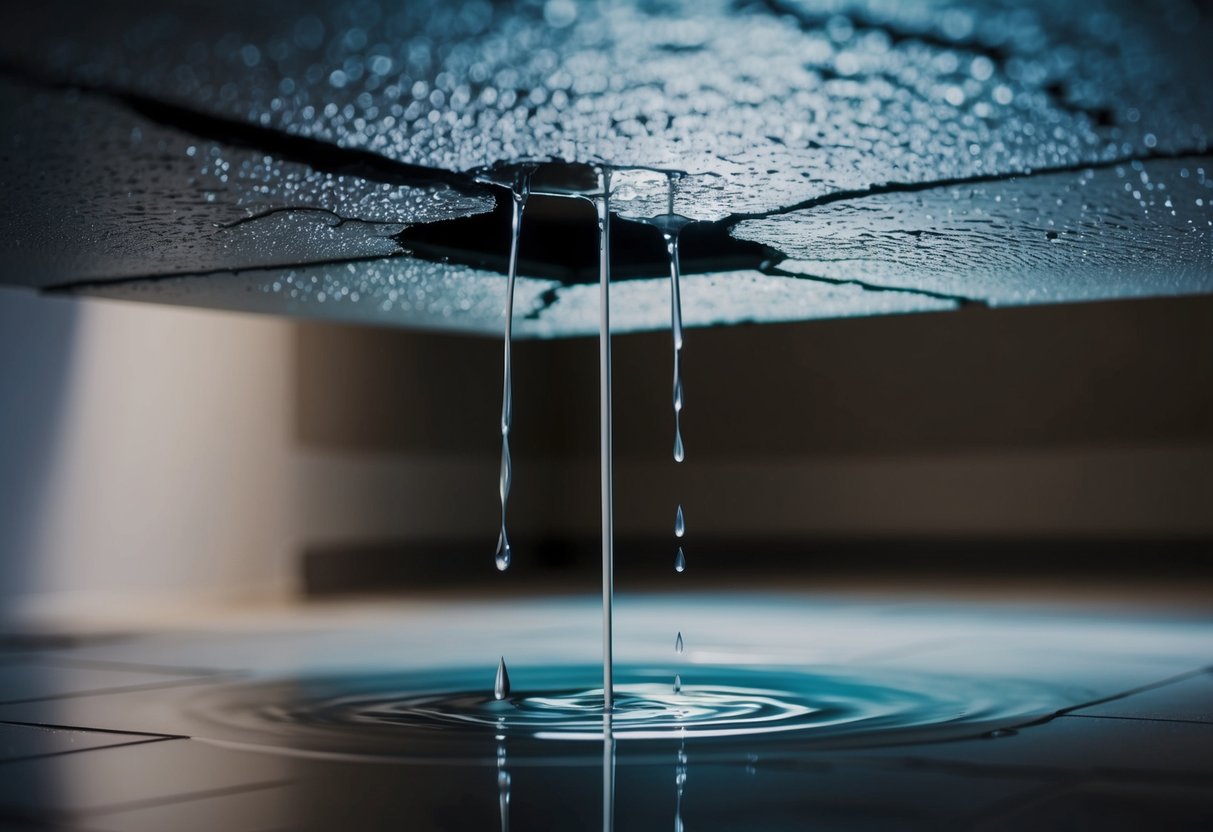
(795, 711)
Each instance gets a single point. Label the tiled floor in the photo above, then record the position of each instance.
(103, 735)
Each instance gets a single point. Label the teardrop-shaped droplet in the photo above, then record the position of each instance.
(680, 523)
(678, 644)
(504, 551)
(501, 686)
(679, 452)
(680, 561)
(677, 684)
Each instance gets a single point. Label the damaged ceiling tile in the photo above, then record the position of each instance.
(224, 137)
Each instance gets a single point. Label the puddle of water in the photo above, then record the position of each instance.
(450, 716)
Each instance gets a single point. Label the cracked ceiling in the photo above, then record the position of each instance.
(844, 157)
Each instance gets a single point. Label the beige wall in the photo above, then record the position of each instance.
(163, 461)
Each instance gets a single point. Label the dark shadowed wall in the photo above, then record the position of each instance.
(1063, 424)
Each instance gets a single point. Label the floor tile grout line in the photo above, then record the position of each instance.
(59, 727)
(1208, 722)
(1067, 711)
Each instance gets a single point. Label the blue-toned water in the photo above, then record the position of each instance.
(555, 711)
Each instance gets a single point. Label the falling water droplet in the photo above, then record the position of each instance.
(677, 684)
(504, 551)
(680, 561)
(501, 686)
(679, 452)
(680, 523)
(678, 644)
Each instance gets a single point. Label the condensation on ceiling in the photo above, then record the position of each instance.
(891, 157)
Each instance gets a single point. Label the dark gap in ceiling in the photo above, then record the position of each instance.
(560, 242)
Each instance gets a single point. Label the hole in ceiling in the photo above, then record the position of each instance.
(560, 242)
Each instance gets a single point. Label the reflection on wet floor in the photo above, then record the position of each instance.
(1098, 717)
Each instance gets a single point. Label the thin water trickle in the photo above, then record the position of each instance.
(670, 225)
(501, 685)
(680, 561)
(603, 206)
(519, 192)
(671, 243)
(680, 523)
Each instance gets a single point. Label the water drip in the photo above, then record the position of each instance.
(519, 191)
(501, 685)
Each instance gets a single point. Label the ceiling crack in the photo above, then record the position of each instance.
(338, 219)
(959, 300)
(318, 154)
(960, 181)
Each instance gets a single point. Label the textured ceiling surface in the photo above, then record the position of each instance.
(890, 157)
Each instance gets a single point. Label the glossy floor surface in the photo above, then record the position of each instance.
(1041, 715)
